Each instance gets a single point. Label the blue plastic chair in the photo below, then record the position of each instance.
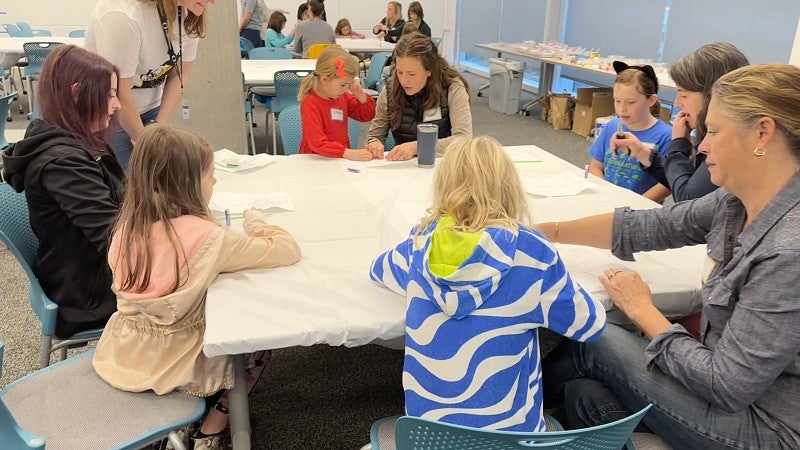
(27, 31)
(13, 30)
(15, 231)
(40, 409)
(77, 33)
(287, 85)
(420, 434)
(291, 127)
(245, 46)
(376, 65)
(270, 53)
(5, 106)
(36, 53)
(388, 144)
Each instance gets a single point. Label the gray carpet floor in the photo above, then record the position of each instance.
(317, 397)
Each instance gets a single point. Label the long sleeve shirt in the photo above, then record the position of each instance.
(686, 180)
(325, 122)
(749, 355)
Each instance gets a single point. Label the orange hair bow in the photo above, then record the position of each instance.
(339, 63)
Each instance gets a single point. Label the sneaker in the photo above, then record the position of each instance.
(213, 442)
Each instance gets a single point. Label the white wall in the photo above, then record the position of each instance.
(61, 16)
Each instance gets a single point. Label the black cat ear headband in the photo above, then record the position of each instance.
(648, 70)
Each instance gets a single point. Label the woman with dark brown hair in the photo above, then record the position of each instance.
(154, 45)
(416, 16)
(423, 89)
(73, 185)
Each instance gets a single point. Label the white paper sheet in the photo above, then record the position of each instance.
(237, 202)
(233, 162)
(556, 185)
(526, 156)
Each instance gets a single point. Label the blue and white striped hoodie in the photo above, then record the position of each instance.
(474, 303)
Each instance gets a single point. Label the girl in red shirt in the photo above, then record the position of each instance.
(327, 99)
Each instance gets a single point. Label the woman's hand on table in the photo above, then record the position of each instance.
(376, 148)
(403, 152)
(633, 296)
(357, 154)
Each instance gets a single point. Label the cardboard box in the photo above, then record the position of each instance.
(666, 115)
(591, 103)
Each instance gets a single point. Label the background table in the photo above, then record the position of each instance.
(12, 46)
(369, 45)
(261, 72)
(343, 219)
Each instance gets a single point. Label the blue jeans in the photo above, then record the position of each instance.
(604, 381)
(120, 142)
(253, 36)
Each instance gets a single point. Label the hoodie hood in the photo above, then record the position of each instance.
(40, 137)
(462, 269)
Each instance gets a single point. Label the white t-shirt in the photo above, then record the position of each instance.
(128, 33)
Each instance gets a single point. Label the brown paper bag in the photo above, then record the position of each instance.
(561, 108)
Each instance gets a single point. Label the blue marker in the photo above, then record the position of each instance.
(227, 218)
(353, 170)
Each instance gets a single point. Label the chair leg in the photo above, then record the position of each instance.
(251, 133)
(274, 132)
(176, 441)
(63, 353)
(30, 94)
(47, 348)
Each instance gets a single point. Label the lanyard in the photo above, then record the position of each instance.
(175, 59)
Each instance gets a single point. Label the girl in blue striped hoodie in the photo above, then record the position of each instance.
(479, 283)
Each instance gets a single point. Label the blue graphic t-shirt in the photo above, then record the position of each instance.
(624, 170)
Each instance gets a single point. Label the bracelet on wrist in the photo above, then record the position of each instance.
(555, 231)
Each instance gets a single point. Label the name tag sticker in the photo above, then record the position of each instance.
(432, 114)
(337, 114)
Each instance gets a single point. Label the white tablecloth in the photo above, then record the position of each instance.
(11, 47)
(369, 45)
(343, 219)
(261, 72)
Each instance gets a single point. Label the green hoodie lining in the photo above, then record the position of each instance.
(449, 249)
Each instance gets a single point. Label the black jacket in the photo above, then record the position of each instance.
(74, 194)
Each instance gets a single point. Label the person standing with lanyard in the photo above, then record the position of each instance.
(154, 43)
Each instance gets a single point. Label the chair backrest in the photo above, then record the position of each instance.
(353, 132)
(16, 232)
(13, 30)
(388, 144)
(11, 435)
(436, 41)
(421, 434)
(291, 129)
(77, 33)
(5, 105)
(287, 85)
(245, 46)
(270, 53)
(27, 31)
(37, 52)
(376, 65)
(315, 50)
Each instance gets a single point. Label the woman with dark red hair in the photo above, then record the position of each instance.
(73, 184)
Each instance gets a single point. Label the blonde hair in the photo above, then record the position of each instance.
(477, 185)
(326, 66)
(192, 25)
(770, 90)
(164, 181)
(408, 28)
(398, 9)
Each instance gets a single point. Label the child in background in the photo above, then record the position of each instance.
(275, 36)
(479, 283)
(345, 31)
(636, 103)
(165, 252)
(328, 98)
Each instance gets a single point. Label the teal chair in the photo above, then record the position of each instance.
(13, 30)
(5, 106)
(420, 434)
(270, 53)
(15, 231)
(27, 31)
(376, 65)
(36, 53)
(77, 33)
(287, 85)
(245, 46)
(291, 127)
(67, 405)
